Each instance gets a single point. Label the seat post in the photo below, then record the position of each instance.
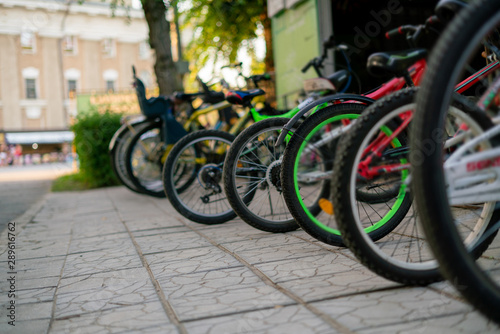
(248, 104)
(407, 77)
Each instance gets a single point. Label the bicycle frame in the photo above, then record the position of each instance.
(470, 176)
(376, 148)
(416, 71)
(254, 115)
(188, 125)
(194, 117)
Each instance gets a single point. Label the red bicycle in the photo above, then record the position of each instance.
(370, 187)
(309, 156)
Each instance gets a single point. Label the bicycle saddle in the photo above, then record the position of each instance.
(397, 63)
(446, 9)
(243, 97)
(339, 78)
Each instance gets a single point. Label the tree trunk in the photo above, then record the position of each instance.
(269, 58)
(166, 72)
(266, 22)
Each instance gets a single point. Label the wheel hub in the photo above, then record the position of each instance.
(210, 176)
(273, 174)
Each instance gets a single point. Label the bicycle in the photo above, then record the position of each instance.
(252, 165)
(203, 209)
(117, 146)
(309, 156)
(466, 176)
(141, 156)
(373, 159)
(200, 157)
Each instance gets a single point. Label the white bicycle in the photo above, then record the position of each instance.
(448, 180)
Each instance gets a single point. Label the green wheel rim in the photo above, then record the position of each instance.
(387, 217)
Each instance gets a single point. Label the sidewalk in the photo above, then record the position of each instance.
(111, 261)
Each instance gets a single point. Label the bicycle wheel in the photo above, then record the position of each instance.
(143, 160)
(252, 177)
(306, 169)
(398, 250)
(118, 154)
(192, 177)
(474, 32)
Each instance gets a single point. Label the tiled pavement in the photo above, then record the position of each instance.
(110, 261)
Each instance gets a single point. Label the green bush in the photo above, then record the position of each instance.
(93, 132)
(70, 182)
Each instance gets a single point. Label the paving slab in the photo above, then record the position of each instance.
(29, 326)
(189, 261)
(139, 318)
(103, 291)
(390, 307)
(112, 261)
(170, 241)
(282, 319)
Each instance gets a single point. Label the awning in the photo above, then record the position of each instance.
(46, 137)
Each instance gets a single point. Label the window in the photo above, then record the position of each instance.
(110, 85)
(72, 76)
(69, 45)
(30, 77)
(108, 47)
(28, 41)
(144, 50)
(110, 76)
(71, 88)
(30, 89)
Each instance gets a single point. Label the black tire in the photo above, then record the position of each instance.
(118, 154)
(475, 281)
(192, 177)
(403, 256)
(144, 168)
(302, 198)
(254, 160)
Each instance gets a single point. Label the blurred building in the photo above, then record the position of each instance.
(52, 49)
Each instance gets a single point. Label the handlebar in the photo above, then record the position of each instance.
(317, 62)
(260, 77)
(398, 31)
(233, 65)
(412, 32)
(305, 68)
(204, 86)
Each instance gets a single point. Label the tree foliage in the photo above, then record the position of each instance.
(222, 27)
